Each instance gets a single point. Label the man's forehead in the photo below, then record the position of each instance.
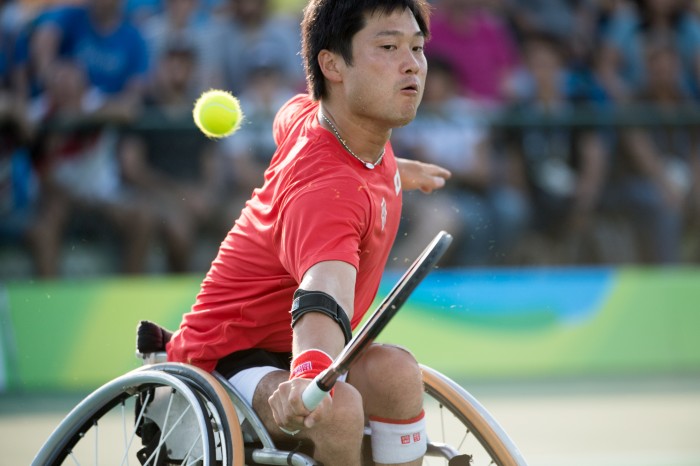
(397, 22)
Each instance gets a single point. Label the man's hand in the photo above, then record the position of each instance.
(288, 408)
(424, 176)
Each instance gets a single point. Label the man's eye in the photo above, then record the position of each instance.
(389, 47)
(418, 48)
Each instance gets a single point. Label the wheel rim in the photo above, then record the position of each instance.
(104, 428)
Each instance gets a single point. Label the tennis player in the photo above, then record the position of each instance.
(303, 262)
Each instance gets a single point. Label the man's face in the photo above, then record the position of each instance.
(386, 80)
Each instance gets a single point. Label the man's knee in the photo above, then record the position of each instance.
(394, 389)
(393, 366)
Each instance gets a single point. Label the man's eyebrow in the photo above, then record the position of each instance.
(395, 33)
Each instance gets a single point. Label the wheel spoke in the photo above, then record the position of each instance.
(96, 430)
(165, 423)
(165, 437)
(464, 439)
(442, 421)
(139, 419)
(126, 443)
(189, 452)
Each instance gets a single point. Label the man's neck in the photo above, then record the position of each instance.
(361, 137)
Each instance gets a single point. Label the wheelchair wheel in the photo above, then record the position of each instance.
(146, 417)
(228, 436)
(459, 428)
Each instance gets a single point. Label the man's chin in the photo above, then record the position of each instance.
(403, 121)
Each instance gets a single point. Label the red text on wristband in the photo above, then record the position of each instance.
(309, 364)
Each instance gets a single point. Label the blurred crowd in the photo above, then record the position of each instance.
(568, 125)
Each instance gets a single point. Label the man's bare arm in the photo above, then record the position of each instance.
(316, 330)
(424, 176)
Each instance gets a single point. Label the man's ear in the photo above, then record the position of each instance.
(331, 65)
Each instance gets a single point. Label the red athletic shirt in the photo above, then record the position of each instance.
(318, 203)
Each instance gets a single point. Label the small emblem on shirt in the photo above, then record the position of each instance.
(397, 182)
(383, 213)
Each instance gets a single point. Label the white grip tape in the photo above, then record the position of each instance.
(313, 396)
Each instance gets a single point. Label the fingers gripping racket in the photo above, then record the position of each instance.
(387, 309)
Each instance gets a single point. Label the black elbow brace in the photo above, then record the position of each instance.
(318, 301)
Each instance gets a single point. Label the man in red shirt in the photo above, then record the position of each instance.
(303, 262)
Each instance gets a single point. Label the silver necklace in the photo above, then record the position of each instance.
(369, 165)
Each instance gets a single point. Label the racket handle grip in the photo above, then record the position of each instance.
(313, 394)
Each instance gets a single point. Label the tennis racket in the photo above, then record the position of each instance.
(387, 309)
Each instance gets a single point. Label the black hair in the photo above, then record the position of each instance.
(331, 25)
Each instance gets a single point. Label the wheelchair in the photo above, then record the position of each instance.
(166, 413)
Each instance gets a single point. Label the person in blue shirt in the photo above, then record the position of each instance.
(96, 46)
(110, 48)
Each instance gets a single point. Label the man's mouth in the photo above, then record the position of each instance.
(410, 87)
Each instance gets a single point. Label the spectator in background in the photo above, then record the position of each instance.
(18, 180)
(560, 168)
(18, 189)
(101, 60)
(252, 29)
(14, 15)
(483, 214)
(140, 11)
(583, 46)
(79, 167)
(179, 22)
(658, 180)
(554, 17)
(175, 169)
(247, 155)
(622, 60)
(100, 38)
(577, 26)
(23, 75)
(563, 19)
(479, 46)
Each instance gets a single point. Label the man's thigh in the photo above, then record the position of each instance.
(264, 389)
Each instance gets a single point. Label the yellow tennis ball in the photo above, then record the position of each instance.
(217, 113)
